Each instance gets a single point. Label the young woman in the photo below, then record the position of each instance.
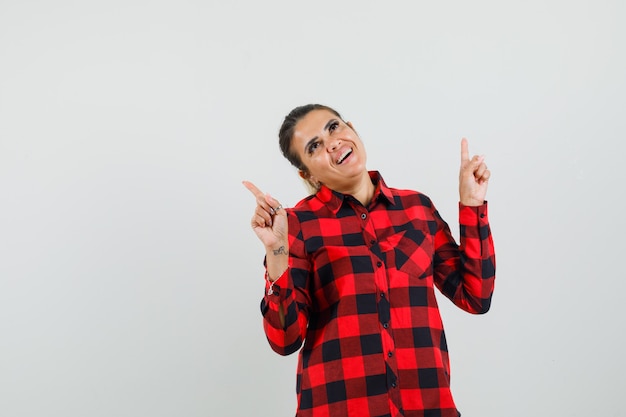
(351, 272)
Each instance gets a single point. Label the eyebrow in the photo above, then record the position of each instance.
(313, 139)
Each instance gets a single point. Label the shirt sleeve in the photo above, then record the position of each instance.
(465, 273)
(286, 304)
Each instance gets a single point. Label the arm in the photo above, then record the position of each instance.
(285, 305)
(466, 274)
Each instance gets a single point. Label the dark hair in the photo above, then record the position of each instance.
(285, 134)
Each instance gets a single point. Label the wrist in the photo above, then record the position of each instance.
(472, 202)
(277, 261)
(279, 249)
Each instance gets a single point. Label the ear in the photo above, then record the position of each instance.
(351, 126)
(309, 178)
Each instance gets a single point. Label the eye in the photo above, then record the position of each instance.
(313, 147)
(334, 125)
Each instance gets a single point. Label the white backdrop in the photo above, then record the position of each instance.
(130, 280)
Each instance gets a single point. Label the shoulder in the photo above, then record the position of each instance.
(307, 204)
(305, 210)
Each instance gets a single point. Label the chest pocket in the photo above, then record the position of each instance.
(410, 251)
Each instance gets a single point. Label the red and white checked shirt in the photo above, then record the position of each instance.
(359, 294)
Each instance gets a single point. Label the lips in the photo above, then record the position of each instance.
(345, 154)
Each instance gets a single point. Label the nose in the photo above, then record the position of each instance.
(333, 144)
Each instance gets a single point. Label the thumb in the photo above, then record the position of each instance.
(274, 204)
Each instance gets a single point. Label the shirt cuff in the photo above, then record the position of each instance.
(472, 215)
(273, 287)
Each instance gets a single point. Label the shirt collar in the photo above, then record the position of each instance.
(333, 199)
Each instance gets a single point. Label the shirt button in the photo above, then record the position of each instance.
(382, 295)
(363, 216)
(386, 325)
(379, 264)
(390, 354)
(393, 385)
(373, 242)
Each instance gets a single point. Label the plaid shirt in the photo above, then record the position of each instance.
(359, 293)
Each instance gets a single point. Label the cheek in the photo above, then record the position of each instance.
(317, 166)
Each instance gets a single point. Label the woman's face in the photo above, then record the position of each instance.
(330, 149)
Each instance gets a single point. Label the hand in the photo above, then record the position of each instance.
(473, 178)
(269, 221)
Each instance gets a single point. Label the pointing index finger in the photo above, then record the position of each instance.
(464, 150)
(253, 189)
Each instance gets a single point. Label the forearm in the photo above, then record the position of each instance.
(479, 261)
(285, 314)
(286, 302)
(467, 272)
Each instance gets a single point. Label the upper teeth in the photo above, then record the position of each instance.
(344, 155)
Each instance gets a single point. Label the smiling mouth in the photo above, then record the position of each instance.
(344, 155)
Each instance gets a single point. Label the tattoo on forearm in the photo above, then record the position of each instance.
(280, 251)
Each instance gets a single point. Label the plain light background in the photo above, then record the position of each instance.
(130, 279)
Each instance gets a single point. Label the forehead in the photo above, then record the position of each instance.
(313, 123)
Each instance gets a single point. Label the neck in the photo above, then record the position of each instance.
(363, 191)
